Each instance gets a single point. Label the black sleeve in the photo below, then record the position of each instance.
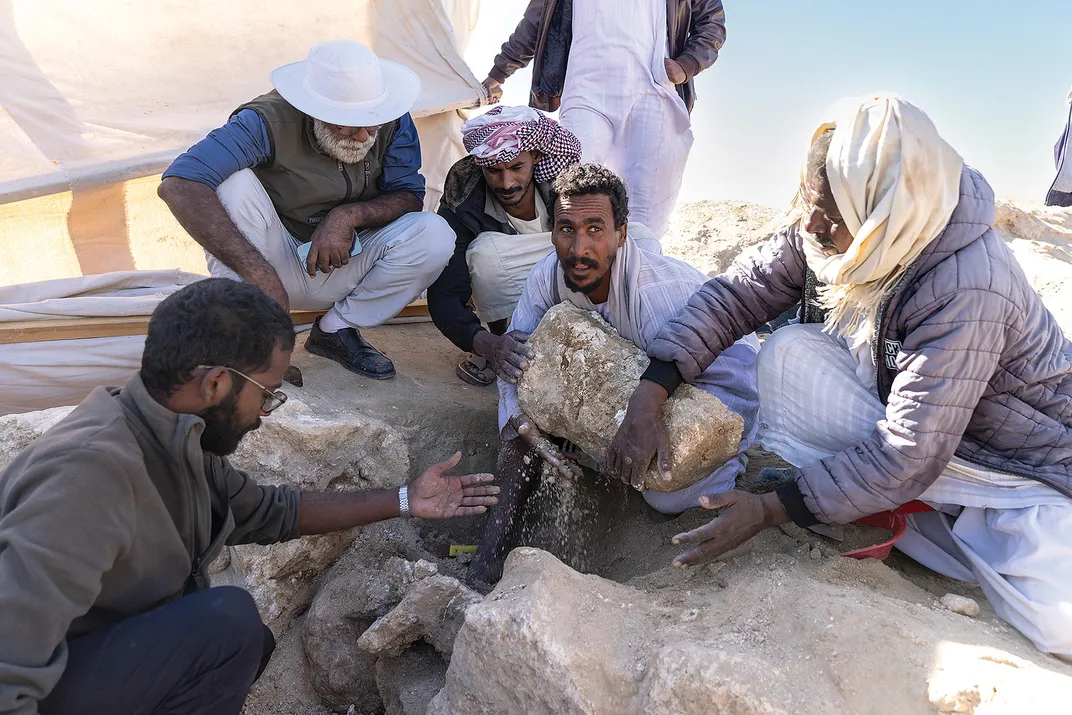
(665, 374)
(449, 296)
(793, 501)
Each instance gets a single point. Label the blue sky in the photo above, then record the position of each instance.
(992, 75)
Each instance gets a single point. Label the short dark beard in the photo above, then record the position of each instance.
(588, 289)
(521, 197)
(222, 436)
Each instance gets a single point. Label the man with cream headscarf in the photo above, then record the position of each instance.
(926, 367)
(602, 263)
(495, 199)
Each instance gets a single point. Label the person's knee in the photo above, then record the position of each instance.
(232, 612)
(429, 240)
(239, 186)
(789, 340)
(486, 273)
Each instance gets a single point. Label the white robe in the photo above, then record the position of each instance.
(618, 101)
(1012, 536)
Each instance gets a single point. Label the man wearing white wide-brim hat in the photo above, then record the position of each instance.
(313, 192)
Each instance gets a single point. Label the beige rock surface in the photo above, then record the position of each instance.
(17, 431)
(322, 450)
(710, 234)
(578, 387)
(432, 610)
(762, 633)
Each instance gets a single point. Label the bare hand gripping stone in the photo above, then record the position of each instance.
(578, 387)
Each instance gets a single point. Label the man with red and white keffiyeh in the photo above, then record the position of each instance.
(497, 201)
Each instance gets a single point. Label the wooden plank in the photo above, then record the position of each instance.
(34, 331)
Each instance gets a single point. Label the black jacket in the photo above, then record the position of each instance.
(462, 205)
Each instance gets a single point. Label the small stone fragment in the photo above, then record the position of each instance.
(961, 604)
(815, 554)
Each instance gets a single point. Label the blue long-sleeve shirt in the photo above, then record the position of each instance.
(243, 143)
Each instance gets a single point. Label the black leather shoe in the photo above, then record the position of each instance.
(350, 350)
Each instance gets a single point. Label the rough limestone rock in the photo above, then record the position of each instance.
(17, 431)
(961, 604)
(409, 682)
(579, 384)
(762, 633)
(1041, 239)
(432, 610)
(318, 451)
(360, 592)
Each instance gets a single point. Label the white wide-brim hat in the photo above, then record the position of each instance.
(343, 82)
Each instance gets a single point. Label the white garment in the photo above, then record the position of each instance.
(895, 182)
(499, 264)
(619, 102)
(1011, 535)
(397, 262)
(539, 224)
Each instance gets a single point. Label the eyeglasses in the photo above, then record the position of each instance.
(273, 400)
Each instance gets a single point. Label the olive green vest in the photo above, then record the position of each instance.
(303, 182)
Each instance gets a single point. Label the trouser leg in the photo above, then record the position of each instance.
(1022, 559)
(197, 655)
(396, 264)
(499, 264)
(654, 160)
(596, 134)
(247, 203)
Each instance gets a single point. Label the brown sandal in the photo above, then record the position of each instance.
(476, 371)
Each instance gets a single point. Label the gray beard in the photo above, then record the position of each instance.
(348, 151)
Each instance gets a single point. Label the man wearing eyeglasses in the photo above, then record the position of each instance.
(109, 520)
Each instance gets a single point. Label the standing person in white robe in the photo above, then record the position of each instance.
(601, 263)
(1060, 193)
(937, 373)
(621, 75)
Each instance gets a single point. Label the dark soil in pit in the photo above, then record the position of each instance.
(603, 527)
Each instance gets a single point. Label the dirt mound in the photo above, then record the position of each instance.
(710, 234)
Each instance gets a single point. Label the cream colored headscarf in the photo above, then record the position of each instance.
(895, 183)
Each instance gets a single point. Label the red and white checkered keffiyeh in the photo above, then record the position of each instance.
(504, 132)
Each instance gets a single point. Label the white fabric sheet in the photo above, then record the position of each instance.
(87, 85)
(396, 264)
(636, 125)
(1011, 535)
(40, 375)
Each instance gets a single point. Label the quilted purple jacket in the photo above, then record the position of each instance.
(970, 362)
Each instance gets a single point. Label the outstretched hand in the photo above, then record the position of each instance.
(434, 495)
(742, 516)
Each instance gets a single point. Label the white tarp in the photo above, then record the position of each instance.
(114, 88)
(97, 93)
(39, 375)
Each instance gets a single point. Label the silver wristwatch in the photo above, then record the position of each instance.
(403, 501)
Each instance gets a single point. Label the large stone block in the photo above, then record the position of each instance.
(315, 451)
(578, 387)
(759, 634)
(360, 591)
